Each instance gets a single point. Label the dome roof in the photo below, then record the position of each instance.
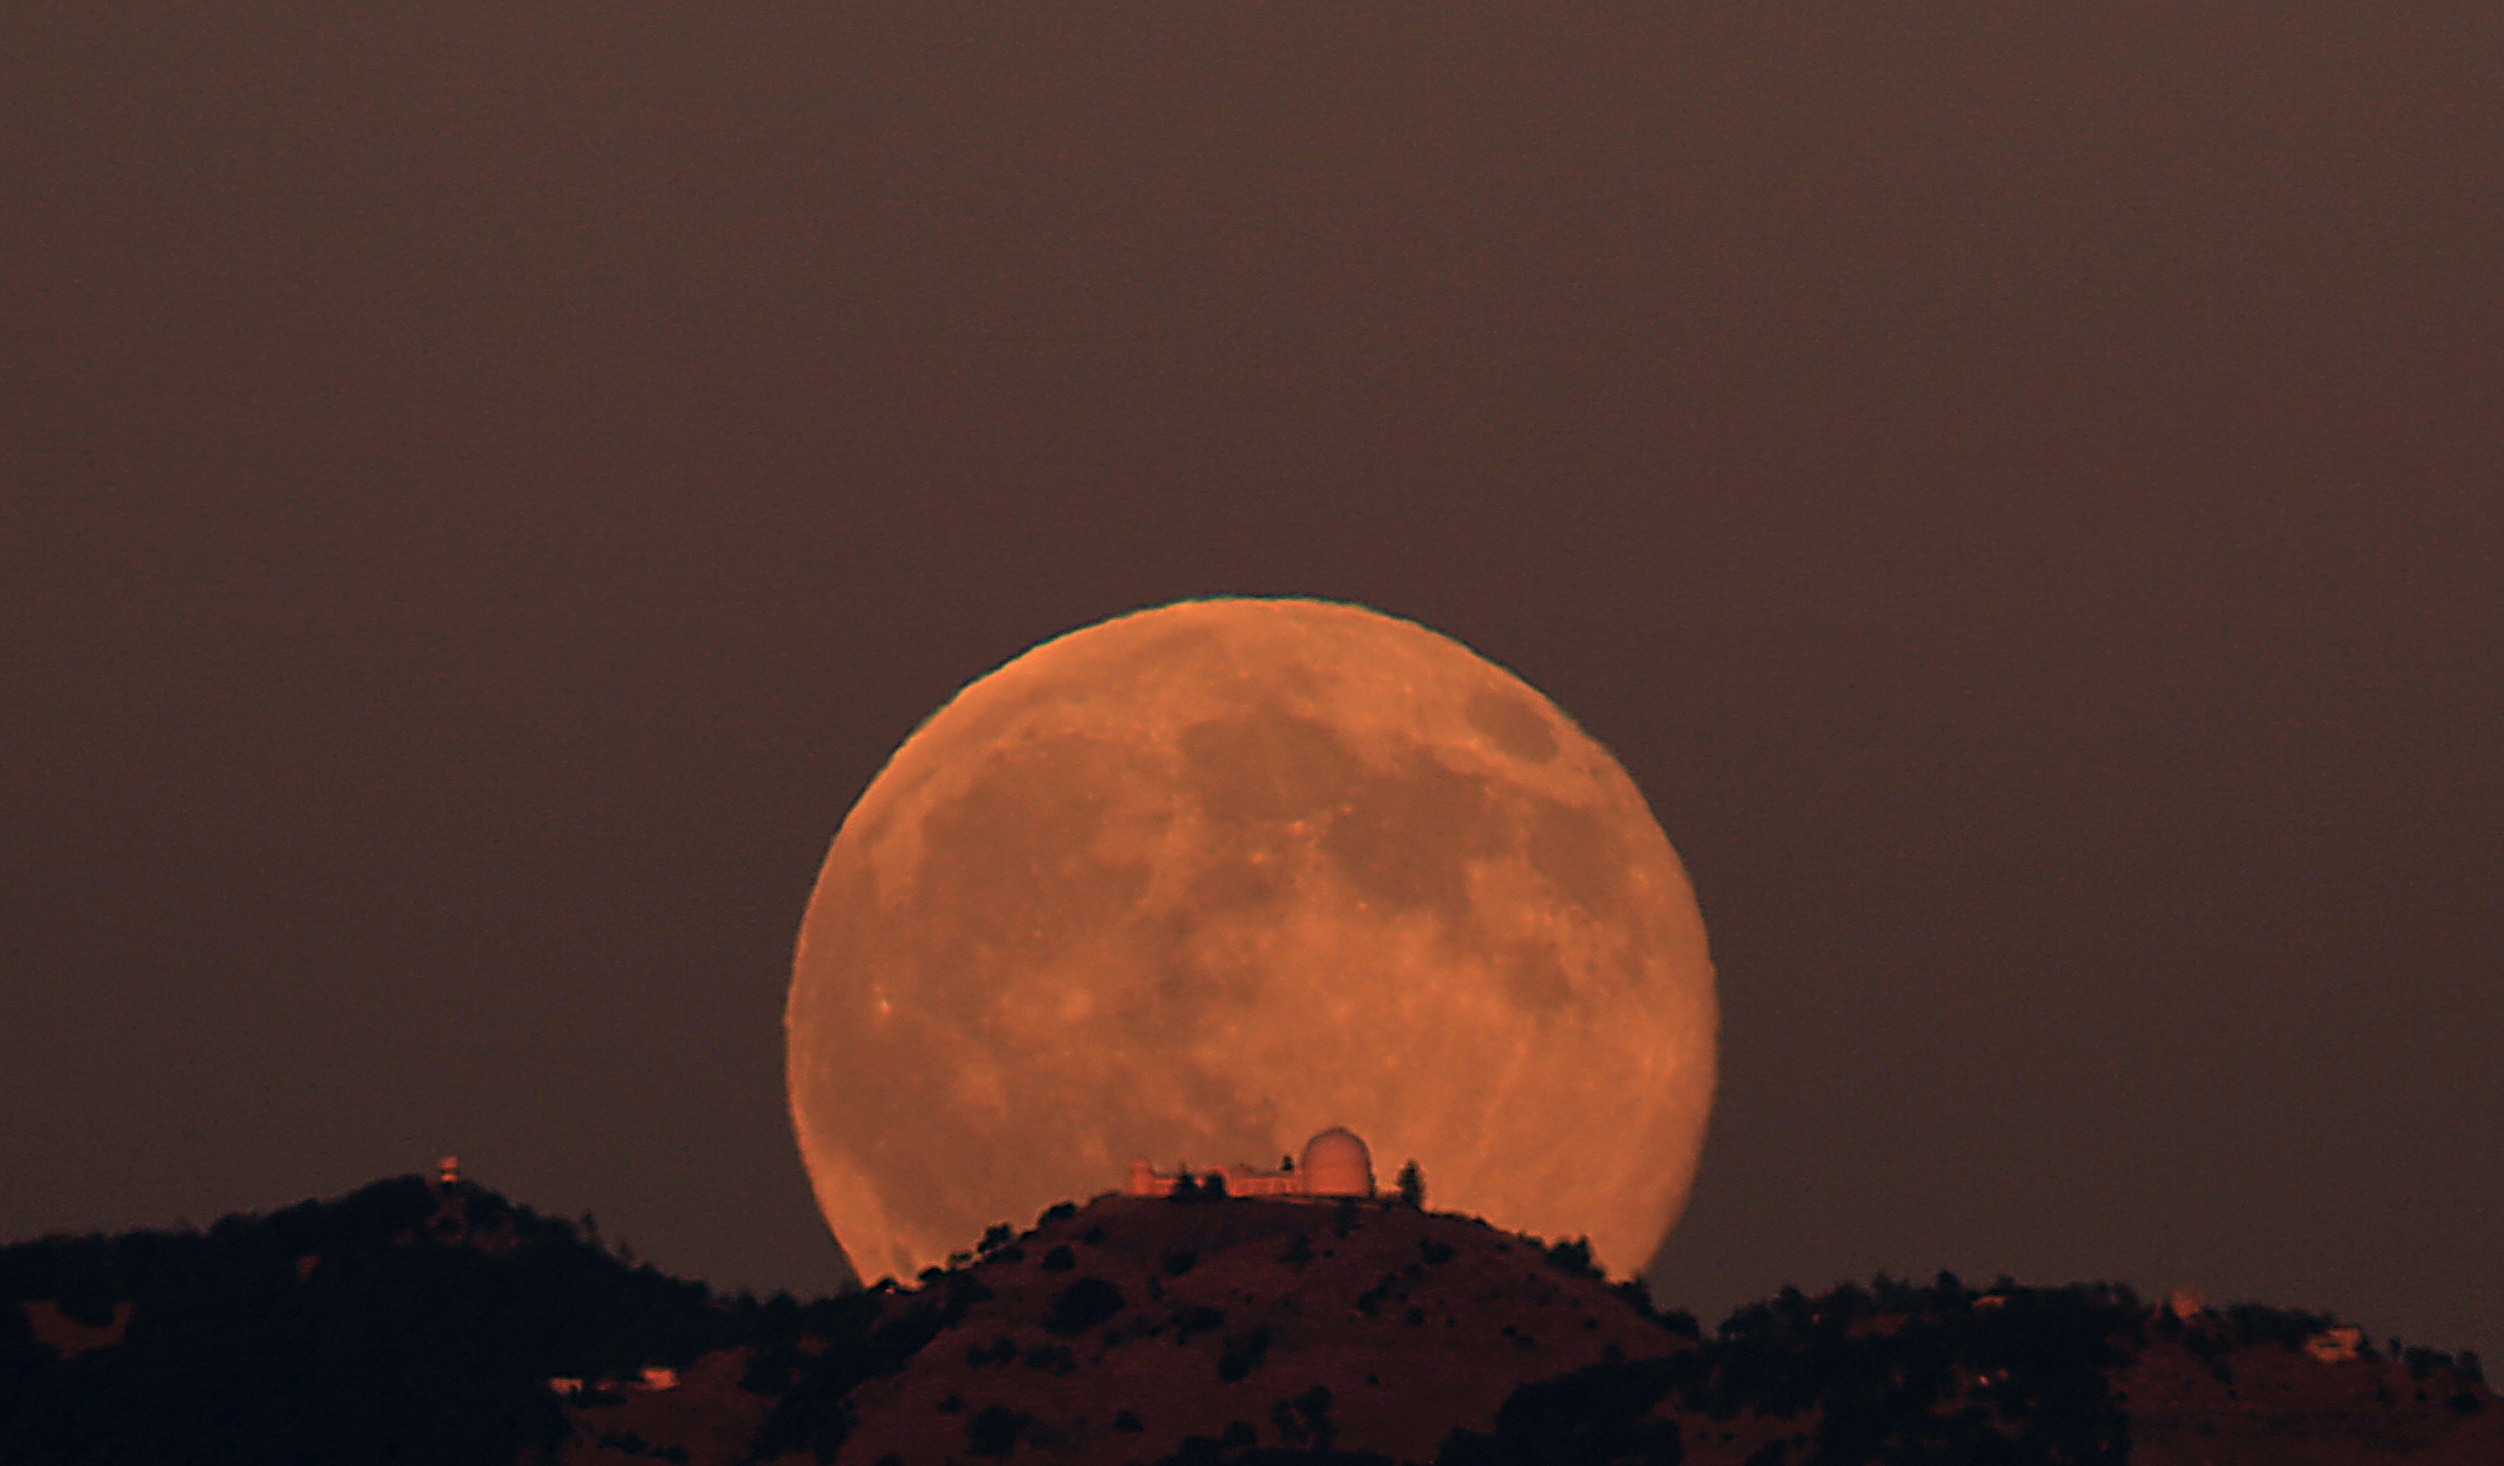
(1336, 1163)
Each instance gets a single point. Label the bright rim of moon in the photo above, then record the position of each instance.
(1199, 882)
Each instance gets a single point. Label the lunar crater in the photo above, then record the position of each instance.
(1512, 725)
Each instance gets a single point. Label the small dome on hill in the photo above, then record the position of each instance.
(1336, 1163)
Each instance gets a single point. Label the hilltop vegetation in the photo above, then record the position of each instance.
(417, 1321)
(407, 1322)
(1135, 1329)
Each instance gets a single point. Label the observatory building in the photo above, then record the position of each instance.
(1336, 1163)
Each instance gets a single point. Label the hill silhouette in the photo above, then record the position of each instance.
(413, 1321)
(1123, 1329)
(422, 1321)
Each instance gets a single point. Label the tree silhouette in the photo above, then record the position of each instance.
(1082, 1305)
(1413, 1185)
(994, 1429)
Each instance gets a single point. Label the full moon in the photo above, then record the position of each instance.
(1199, 882)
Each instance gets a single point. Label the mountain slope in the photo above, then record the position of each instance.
(1119, 1330)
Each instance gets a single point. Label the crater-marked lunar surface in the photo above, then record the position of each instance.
(1198, 882)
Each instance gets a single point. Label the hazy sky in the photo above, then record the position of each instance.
(483, 488)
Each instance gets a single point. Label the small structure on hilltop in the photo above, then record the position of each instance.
(1336, 1164)
(2336, 1345)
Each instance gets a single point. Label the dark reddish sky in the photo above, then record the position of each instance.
(486, 486)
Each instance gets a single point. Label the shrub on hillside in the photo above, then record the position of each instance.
(993, 1430)
(1082, 1305)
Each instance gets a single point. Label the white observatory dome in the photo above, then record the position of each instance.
(1336, 1163)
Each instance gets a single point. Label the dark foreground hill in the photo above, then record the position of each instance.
(410, 1321)
(416, 1321)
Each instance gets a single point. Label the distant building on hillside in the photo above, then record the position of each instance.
(1336, 1163)
(2336, 1345)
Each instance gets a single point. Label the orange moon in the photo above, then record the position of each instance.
(1199, 882)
